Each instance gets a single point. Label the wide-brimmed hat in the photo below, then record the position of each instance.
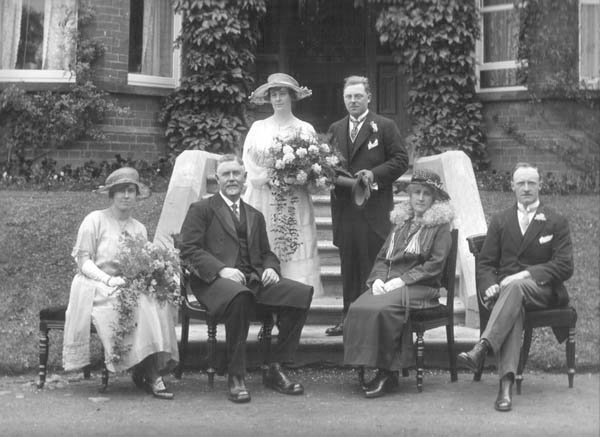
(430, 179)
(125, 175)
(260, 95)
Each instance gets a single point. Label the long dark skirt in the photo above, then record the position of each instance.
(375, 331)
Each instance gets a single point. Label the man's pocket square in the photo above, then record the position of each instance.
(546, 238)
(372, 144)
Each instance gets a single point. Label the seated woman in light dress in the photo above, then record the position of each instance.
(406, 275)
(280, 91)
(92, 299)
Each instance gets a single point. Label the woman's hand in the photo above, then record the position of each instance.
(269, 277)
(378, 287)
(393, 284)
(116, 281)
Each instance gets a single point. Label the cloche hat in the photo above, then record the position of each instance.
(260, 95)
(125, 175)
(430, 179)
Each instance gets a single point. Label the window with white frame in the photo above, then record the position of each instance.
(153, 60)
(498, 48)
(589, 43)
(38, 40)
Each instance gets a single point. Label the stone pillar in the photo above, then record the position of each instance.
(457, 174)
(188, 184)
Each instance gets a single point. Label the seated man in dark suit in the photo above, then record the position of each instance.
(235, 275)
(526, 256)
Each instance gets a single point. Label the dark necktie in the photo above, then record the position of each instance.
(236, 211)
(354, 132)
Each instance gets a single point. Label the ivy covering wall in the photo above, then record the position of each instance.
(433, 41)
(207, 111)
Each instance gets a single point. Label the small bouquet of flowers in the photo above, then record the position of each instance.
(297, 160)
(150, 270)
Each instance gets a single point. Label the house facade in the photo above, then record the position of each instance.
(317, 41)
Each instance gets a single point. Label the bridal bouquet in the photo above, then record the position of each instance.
(150, 270)
(297, 160)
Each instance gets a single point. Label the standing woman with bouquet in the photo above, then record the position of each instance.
(280, 91)
(95, 287)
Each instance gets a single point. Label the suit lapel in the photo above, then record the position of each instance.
(533, 230)
(223, 214)
(363, 134)
(344, 145)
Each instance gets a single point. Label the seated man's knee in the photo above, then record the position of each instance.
(243, 302)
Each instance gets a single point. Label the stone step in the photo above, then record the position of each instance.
(317, 348)
(322, 203)
(328, 253)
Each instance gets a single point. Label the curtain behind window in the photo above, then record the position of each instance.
(10, 32)
(590, 41)
(60, 25)
(157, 39)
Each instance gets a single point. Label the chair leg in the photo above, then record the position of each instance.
(43, 351)
(361, 375)
(185, 332)
(211, 327)
(267, 329)
(405, 372)
(104, 385)
(571, 356)
(420, 365)
(87, 372)
(451, 353)
(523, 357)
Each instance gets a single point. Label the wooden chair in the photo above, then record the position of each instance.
(565, 317)
(441, 315)
(192, 309)
(54, 318)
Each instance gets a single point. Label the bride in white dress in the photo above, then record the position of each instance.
(280, 91)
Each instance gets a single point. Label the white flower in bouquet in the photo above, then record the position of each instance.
(301, 152)
(321, 182)
(287, 150)
(302, 177)
(305, 136)
(325, 148)
(288, 158)
(279, 164)
(313, 149)
(332, 160)
(316, 168)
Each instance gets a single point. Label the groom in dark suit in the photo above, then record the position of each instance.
(374, 151)
(525, 258)
(235, 275)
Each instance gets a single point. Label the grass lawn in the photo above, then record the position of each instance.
(37, 231)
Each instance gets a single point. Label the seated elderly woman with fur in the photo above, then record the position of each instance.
(406, 275)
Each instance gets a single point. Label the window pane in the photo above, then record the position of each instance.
(590, 41)
(151, 38)
(498, 78)
(500, 36)
(37, 34)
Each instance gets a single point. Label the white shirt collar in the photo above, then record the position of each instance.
(361, 118)
(228, 201)
(530, 209)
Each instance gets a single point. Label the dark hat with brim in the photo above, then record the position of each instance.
(429, 179)
(125, 176)
(260, 95)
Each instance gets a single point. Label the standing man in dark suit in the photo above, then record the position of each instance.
(235, 275)
(525, 258)
(374, 151)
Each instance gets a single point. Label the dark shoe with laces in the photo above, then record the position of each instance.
(385, 382)
(278, 381)
(476, 356)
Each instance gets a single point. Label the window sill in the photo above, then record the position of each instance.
(37, 76)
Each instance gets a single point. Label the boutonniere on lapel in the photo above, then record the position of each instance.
(541, 217)
(374, 127)
(373, 143)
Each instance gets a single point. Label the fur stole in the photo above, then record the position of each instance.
(438, 214)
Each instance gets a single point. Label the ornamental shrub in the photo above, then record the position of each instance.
(433, 41)
(207, 111)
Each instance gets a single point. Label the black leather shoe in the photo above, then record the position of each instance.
(278, 381)
(475, 357)
(384, 382)
(504, 399)
(335, 330)
(238, 393)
